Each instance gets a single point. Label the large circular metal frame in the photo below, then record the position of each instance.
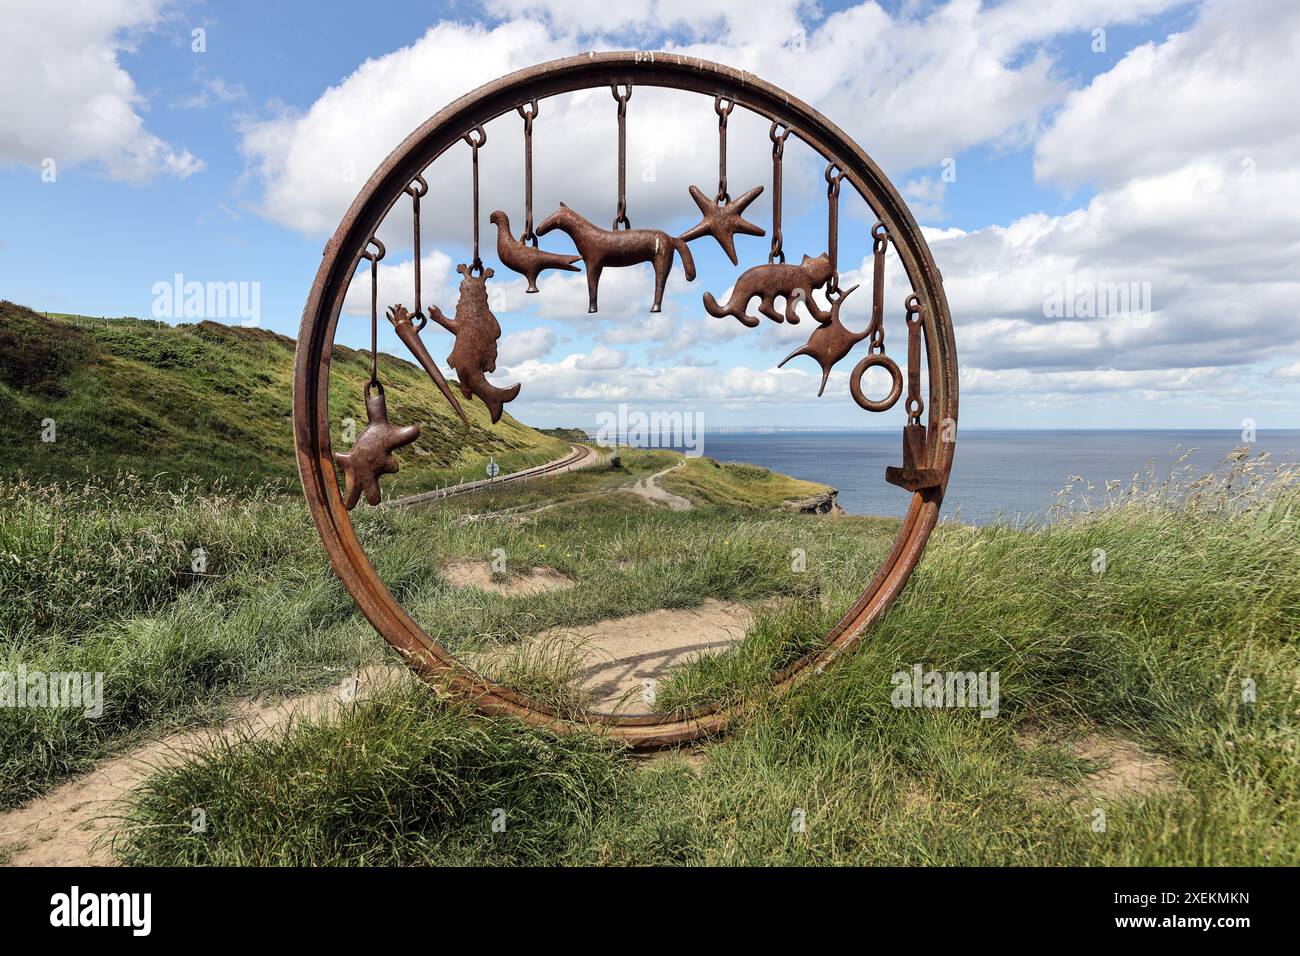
(387, 185)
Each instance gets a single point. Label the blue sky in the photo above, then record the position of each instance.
(1164, 159)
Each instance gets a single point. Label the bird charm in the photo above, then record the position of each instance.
(372, 452)
(830, 342)
(527, 260)
(722, 219)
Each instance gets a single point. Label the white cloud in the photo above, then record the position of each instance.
(438, 284)
(213, 92)
(602, 359)
(64, 95)
(940, 82)
(525, 345)
(1218, 251)
(1225, 88)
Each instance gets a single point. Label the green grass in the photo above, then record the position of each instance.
(211, 404)
(1196, 596)
(100, 578)
(734, 485)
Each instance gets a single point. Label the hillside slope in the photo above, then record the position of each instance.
(212, 402)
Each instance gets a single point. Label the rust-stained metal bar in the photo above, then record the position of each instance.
(476, 138)
(529, 112)
(417, 190)
(778, 153)
(620, 217)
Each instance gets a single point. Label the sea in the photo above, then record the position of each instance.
(997, 474)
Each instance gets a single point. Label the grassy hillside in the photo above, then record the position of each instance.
(1199, 597)
(98, 579)
(211, 403)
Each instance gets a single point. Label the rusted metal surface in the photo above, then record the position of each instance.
(476, 330)
(619, 247)
(722, 214)
(772, 281)
(528, 261)
(409, 332)
(830, 342)
(372, 452)
(928, 446)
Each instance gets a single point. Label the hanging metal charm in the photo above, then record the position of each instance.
(916, 472)
(408, 332)
(476, 330)
(773, 280)
(371, 454)
(830, 342)
(522, 254)
(407, 329)
(599, 248)
(722, 215)
(877, 357)
(528, 261)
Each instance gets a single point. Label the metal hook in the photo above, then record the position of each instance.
(833, 181)
(879, 237)
(419, 187)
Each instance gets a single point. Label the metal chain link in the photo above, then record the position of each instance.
(620, 218)
(529, 115)
(476, 138)
(778, 152)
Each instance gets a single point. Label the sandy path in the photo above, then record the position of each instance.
(649, 489)
(62, 827)
(625, 658)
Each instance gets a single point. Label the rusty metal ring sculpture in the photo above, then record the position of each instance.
(927, 448)
(895, 388)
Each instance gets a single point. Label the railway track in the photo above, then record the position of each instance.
(580, 457)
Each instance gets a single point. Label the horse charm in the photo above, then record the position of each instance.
(527, 260)
(624, 247)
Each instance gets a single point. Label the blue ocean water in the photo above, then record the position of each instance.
(996, 474)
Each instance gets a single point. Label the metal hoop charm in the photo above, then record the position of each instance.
(895, 390)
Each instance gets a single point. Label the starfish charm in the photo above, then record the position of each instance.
(372, 452)
(723, 220)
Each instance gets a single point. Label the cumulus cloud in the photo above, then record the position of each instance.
(84, 108)
(1214, 90)
(982, 75)
(525, 345)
